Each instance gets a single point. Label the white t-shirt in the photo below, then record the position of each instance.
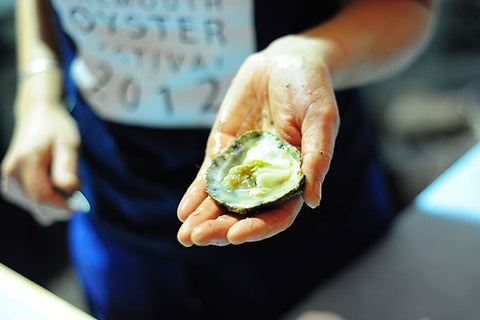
(157, 63)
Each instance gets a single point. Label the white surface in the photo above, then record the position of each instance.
(456, 193)
(165, 64)
(21, 299)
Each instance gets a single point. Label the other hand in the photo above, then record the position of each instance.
(43, 153)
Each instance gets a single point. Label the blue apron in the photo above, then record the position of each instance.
(125, 250)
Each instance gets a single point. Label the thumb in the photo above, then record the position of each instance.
(64, 168)
(8, 165)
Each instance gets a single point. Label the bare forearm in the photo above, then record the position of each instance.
(372, 39)
(35, 34)
(36, 41)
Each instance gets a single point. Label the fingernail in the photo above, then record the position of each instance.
(217, 243)
(184, 243)
(318, 192)
(183, 237)
(311, 205)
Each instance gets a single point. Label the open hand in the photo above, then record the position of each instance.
(284, 89)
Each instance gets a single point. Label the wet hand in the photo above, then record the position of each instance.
(284, 89)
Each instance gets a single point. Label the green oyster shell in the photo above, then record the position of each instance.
(254, 173)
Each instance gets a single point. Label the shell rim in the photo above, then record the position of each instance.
(264, 206)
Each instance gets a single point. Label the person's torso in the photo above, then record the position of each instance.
(145, 78)
(168, 63)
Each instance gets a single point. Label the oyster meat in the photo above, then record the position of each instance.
(255, 172)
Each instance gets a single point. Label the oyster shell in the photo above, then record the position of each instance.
(255, 172)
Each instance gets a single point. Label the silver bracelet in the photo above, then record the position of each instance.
(39, 66)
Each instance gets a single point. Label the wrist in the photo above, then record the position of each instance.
(38, 66)
(39, 90)
(41, 79)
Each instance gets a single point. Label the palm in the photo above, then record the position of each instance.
(261, 98)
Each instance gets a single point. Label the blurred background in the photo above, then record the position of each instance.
(426, 118)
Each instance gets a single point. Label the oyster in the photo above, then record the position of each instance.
(255, 172)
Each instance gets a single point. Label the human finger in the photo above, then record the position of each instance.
(64, 169)
(9, 167)
(319, 130)
(8, 164)
(214, 232)
(266, 224)
(207, 210)
(196, 193)
(36, 181)
(192, 199)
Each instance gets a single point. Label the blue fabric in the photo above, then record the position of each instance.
(128, 280)
(140, 263)
(125, 250)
